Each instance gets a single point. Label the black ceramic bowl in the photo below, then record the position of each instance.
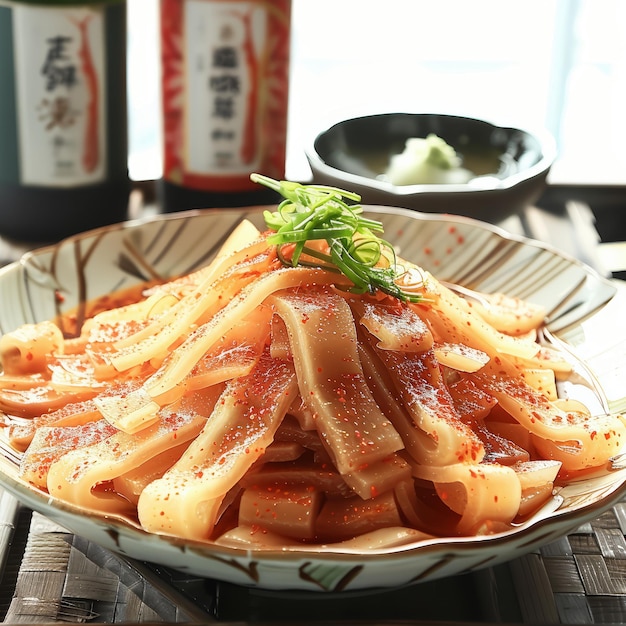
(511, 164)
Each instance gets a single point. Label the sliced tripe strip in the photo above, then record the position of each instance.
(75, 476)
(73, 414)
(134, 415)
(344, 518)
(397, 327)
(537, 481)
(243, 235)
(130, 484)
(453, 319)
(246, 537)
(279, 346)
(509, 314)
(51, 443)
(373, 479)
(499, 449)
(591, 441)
(543, 380)
(128, 318)
(23, 381)
(418, 381)
(387, 398)
(471, 402)
(322, 477)
(37, 400)
(461, 358)
(547, 358)
(414, 511)
(303, 414)
(233, 354)
(480, 493)
(186, 500)
(323, 342)
(28, 348)
(500, 377)
(130, 412)
(425, 396)
(180, 362)
(283, 452)
(291, 430)
(98, 343)
(74, 372)
(210, 296)
(576, 438)
(290, 511)
(382, 539)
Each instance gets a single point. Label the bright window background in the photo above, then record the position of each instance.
(553, 64)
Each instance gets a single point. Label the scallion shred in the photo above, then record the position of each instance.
(323, 213)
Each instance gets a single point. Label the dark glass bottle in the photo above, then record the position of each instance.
(63, 117)
(225, 80)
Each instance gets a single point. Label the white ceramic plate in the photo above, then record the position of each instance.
(584, 311)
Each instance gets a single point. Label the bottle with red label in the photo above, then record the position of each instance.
(225, 79)
(63, 119)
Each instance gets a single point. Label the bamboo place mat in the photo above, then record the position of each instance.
(579, 579)
(51, 576)
(55, 576)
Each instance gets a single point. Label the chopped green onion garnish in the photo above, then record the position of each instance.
(319, 212)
